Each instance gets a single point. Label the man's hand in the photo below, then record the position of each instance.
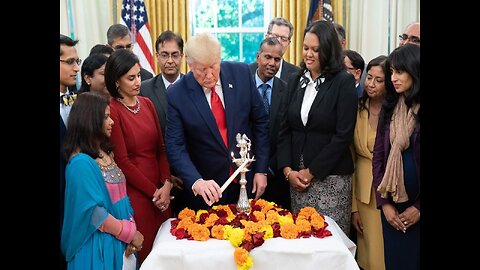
(209, 190)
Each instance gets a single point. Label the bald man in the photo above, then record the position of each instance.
(411, 34)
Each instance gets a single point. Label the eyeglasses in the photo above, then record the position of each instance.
(282, 38)
(72, 61)
(174, 55)
(128, 46)
(412, 39)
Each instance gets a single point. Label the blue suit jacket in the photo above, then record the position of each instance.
(195, 148)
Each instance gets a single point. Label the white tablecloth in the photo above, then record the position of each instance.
(334, 252)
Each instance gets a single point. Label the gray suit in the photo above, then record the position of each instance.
(155, 90)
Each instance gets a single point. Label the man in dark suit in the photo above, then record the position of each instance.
(207, 108)
(169, 47)
(355, 65)
(118, 37)
(274, 92)
(69, 67)
(281, 29)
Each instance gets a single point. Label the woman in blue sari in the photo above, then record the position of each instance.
(99, 231)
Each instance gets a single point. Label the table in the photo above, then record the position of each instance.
(335, 252)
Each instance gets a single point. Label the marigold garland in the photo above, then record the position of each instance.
(245, 232)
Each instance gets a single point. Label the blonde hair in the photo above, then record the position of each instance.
(202, 48)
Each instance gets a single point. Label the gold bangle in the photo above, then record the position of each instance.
(288, 174)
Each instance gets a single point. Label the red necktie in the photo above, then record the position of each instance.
(219, 114)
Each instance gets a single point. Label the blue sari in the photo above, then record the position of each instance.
(87, 205)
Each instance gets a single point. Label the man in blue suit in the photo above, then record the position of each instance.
(206, 109)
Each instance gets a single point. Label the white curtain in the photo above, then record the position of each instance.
(374, 25)
(91, 19)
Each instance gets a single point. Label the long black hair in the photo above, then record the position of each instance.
(85, 127)
(330, 51)
(405, 58)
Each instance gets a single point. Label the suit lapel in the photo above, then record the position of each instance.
(277, 93)
(322, 90)
(63, 128)
(228, 88)
(200, 102)
(160, 93)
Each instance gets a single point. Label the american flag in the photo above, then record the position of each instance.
(134, 16)
(320, 10)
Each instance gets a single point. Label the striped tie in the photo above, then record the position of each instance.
(265, 97)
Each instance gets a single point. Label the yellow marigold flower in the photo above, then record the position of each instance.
(199, 212)
(259, 216)
(212, 218)
(218, 232)
(317, 221)
(303, 225)
(186, 213)
(227, 231)
(268, 232)
(236, 237)
(289, 231)
(184, 223)
(247, 265)
(199, 232)
(285, 219)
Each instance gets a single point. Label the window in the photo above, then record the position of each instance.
(239, 25)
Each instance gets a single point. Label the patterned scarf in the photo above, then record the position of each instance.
(401, 127)
(304, 81)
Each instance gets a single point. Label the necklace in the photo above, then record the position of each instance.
(104, 159)
(111, 172)
(137, 104)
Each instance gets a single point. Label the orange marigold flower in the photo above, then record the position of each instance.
(259, 216)
(212, 218)
(241, 255)
(186, 213)
(184, 223)
(289, 231)
(307, 211)
(272, 217)
(261, 202)
(199, 232)
(303, 225)
(217, 232)
(317, 221)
